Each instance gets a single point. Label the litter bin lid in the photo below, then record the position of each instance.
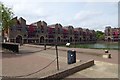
(73, 50)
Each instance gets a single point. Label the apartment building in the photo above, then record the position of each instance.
(39, 33)
(112, 34)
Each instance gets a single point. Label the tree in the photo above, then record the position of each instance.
(100, 35)
(6, 21)
(6, 16)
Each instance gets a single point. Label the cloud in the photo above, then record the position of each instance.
(34, 1)
(90, 15)
(32, 11)
(86, 15)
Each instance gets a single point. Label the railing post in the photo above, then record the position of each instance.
(57, 57)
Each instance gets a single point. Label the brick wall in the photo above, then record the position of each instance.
(73, 68)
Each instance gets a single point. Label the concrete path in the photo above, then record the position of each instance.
(34, 57)
(29, 60)
(99, 70)
(82, 53)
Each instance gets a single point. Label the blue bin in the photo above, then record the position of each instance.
(71, 55)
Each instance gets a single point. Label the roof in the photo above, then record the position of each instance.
(54, 25)
(31, 25)
(68, 26)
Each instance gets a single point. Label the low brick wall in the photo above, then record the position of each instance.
(11, 46)
(73, 68)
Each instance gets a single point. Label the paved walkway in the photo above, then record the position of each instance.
(84, 54)
(99, 70)
(28, 63)
(34, 57)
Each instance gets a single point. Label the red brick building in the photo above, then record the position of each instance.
(39, 33)
(112, 34)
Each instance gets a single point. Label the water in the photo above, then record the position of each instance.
(104, 45)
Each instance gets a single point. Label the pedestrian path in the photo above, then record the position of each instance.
(81, 53)
(34, 57)
(99, 70)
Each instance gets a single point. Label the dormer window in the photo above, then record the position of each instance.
(58, 30)
(42, 29)
(70, 31)
(18, 22)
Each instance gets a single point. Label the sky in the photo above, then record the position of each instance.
(91, 14)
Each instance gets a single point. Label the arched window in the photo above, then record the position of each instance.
(41, 39)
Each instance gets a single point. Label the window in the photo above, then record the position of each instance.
(38, 31)
(58, 30)
(19, 29)
(70, 31)
(25, 35)
(36, 35)
(42, 29)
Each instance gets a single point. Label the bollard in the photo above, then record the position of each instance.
(106, 51)
(109, 56)
(44, 46)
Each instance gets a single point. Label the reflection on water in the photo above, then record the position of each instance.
(104, 45)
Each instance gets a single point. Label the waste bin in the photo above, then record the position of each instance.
(71, 55)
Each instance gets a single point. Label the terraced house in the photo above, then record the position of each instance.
(39, 33)
(112, 34)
